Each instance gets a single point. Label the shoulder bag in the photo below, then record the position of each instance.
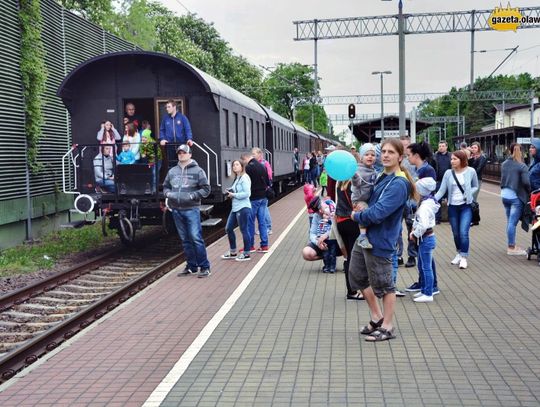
(474, 205)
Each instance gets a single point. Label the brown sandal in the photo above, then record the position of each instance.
(380, 335)
(371, 327)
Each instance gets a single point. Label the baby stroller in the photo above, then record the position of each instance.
(535, 209)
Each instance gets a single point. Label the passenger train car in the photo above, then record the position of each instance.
(224, 123)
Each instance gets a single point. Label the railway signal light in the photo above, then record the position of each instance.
(352, 111)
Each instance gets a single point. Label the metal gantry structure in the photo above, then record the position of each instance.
(344, 119)
(463, 96)
(402, 24)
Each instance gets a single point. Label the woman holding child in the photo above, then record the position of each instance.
(370, 270)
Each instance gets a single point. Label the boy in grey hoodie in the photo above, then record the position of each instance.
(362, 186)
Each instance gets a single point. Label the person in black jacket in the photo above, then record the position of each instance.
(259, 184)
(477, 161)
(442, 163)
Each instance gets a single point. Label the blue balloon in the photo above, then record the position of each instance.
(340, 165)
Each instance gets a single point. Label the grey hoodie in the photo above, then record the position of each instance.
(103, 167)
(185, 187)
(362, 183)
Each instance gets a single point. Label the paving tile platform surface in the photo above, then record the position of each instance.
(292, 339)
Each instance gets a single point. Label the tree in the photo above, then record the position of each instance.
(320, 119)
(286, 82)
(99, 12)
(477, 113)
(134, 25)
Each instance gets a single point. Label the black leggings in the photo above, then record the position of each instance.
(349, 232)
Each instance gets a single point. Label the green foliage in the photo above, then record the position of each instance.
(286, 82)
(477, 114)
(133, 24)
(320, 120)
(33, 75)
(30, 258)
(99, 12)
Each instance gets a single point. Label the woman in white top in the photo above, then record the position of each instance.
(460, 198)
(132, 137)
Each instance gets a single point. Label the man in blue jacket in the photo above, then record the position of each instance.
(175, 129)
(370, 270)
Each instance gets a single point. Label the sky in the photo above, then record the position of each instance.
(263, 32)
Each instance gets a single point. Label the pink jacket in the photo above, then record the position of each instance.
(309, 193)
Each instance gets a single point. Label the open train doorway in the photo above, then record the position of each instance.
(144, 110)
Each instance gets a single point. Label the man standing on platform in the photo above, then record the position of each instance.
(258, 154)
(184, 186)
(175, 129)
(259, 183)
(442, 163)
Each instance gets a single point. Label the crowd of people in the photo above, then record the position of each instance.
(398, 182)
(138, 144)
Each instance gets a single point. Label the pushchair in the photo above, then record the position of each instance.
(534, 204)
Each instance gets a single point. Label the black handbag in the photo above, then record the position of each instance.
(475, 206)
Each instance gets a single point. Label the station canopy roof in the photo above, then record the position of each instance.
(364, 131)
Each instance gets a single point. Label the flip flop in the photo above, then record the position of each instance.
(357, 296)
(380, 335)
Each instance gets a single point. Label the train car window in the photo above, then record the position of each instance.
(258, 135)
(226, 124)
(160, 110)
(245, 131)
(251, 135)
(235, 117)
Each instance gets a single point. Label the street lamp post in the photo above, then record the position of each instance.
(381, 73)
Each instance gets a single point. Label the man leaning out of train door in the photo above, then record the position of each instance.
(174, 129)
(184, 187)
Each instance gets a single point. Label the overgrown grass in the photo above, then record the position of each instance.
(28, 258)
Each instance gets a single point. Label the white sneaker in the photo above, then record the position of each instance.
(517, 251)
(463, 263)
(269, 231)
(424, 298)
(456, 259)
(418, 294)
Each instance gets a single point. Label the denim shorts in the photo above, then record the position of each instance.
(367, 270)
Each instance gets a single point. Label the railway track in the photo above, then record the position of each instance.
(36, 319)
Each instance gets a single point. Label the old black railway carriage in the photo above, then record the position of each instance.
(224, 122)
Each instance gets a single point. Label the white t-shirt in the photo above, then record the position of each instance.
(457, 197)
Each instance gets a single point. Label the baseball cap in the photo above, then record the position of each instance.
(183, 147)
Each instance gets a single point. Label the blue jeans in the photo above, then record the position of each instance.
(307, 176)
(329, 255)
(426, 264)
(268, 219)
(106, 184)
(513, 209)
(239, 218)
(460, 217)
(188, 224)
(258, 211)
(314, 174)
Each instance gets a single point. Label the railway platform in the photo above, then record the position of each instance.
(275, 331)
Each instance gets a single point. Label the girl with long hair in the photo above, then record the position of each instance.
(515, 189)
(132, 137)
(239, 193)
(461, 183)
